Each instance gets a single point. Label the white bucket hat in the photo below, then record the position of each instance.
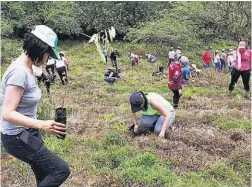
(47, 35)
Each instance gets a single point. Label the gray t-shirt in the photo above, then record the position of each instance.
(16, 74)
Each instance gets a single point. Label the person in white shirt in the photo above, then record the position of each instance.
(63, 56)
(234, 54)
(178, 52)
(223, 59)
(194, 71)
(217, 61)
(50, 65)
(171, 56)
(61, 68)
(230, 62)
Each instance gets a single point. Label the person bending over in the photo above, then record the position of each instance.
(157, 113)
(111, 75)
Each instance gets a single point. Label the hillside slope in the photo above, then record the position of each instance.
(209, 147)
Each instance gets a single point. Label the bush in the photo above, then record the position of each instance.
(241, 162)
(146, 169)
(222, 173)
(45, 109)
(10, 50)
(113, 138)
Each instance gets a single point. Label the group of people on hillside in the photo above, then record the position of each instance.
(238, 61)
(113, 56)
(220, 59)
(180, 71)
(61, 66)
(134, 59)
(20, 128)
(172, 55)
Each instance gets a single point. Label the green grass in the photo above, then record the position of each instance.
(225, 123)
(110, 151)
(200, 91)
(241, 163)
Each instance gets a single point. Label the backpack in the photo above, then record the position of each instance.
(107, 72)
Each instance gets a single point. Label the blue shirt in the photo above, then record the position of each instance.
(185, 72)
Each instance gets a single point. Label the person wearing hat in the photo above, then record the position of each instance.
(223, 59)
(111, 75)
(157, 113)
(194, 71)
(178, 52)
(113, 56)
(20, 128)
(217, 61)
(241, 68)
(174, 80)
(50, 65)
(151, 58)
(230, 61)
(206, 59)
(61, 67)
(105, 53)
(64, 59)
(171, 56)
(185, 70)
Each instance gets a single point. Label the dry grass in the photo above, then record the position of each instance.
(96, 108)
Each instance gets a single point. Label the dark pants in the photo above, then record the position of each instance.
(218, 66)
(62, 73)
(223, 64)
(48, 67)
(106, 58)
(109, 80)
(176, 97)
(170, 61)
(114, 62)
(49, 169)
(235, 74)
(46, 82)
(230, 69)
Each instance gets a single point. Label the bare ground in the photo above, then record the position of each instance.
(196, 142)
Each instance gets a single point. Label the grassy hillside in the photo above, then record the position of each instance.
(209, 147)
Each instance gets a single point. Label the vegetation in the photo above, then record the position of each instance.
(175, 23)
(210, 145)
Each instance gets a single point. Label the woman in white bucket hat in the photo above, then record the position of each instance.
(20, 128)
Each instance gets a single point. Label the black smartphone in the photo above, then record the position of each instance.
(60, 116)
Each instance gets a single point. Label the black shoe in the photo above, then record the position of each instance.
(175, 106)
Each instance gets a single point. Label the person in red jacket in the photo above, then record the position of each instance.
(206, 59)
(174, 81)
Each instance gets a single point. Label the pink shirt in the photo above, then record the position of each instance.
(245, 59)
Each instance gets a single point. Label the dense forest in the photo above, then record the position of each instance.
(210, 144)
(184, 23)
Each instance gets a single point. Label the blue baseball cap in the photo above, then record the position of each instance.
(136, 101)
